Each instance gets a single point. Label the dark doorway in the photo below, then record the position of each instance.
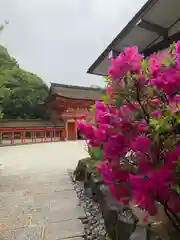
(79, 135)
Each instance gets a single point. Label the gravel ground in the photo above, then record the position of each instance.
(93, 222)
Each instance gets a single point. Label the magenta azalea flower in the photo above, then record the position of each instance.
(86, 129)
(112, 175)
(142, 127)
(168, 81)
(129, 60)
(145, 202)
(141, 144)
(114, 149)
(100, 135)
(156, 114)
(154, 64)
(178, 54)
(173, 202)
(100, 106)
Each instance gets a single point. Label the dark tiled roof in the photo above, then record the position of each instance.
(76, 92)
(29, 123)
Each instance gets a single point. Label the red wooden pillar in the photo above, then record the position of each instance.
(32, 136)
(51, 133)
(75, 128)
(22, 138)
(60, 135)
(42, 136)
(66, 130)
(1, 138)
(45, 135)
(35, 136)
(54, 138)
(12, 138)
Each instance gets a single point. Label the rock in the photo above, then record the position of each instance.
(80, 172)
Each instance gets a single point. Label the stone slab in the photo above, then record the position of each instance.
(65, 199)
(76, 238)
(36, 193)
(63, 230)
(57, 216)
(30, 233)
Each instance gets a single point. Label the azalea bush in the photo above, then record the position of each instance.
(135, 131)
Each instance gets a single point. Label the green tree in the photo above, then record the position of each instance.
(21, 93)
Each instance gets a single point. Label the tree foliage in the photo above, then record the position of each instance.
(21, 93)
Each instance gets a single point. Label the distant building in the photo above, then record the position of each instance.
(68, 103)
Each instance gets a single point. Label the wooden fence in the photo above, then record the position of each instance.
(15, 136)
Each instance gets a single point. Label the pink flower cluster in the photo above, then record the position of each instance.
(129, 60)
(140, 139)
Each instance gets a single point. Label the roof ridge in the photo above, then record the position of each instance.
(76, 87)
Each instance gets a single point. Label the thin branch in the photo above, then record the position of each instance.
(171, 215)
(139, 101)
(175, 225)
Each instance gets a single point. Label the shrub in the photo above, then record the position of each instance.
(137, 131)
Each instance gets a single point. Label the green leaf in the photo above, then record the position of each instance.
(107, 79)
(144, 63)
(176, 188)
(161, 125)
(154, 122)
(105, 98)
(97, 152)
(92, 107)
(91, 111)
(150, 91)
(118, 102)
(172, 47)
(178, 168)
(167, 61)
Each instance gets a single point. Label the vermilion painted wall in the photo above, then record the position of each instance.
(71, 131)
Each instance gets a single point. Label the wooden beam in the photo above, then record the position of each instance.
(152, 27)
(162, 45)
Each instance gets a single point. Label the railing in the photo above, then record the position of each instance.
(16, 136)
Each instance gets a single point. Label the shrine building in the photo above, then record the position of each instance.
(68, 103)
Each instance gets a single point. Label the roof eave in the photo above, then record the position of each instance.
(149, 4)
(97, 74)
(71, 98)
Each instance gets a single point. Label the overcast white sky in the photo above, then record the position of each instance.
(60, 39)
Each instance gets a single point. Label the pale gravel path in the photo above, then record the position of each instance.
(36, 196)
